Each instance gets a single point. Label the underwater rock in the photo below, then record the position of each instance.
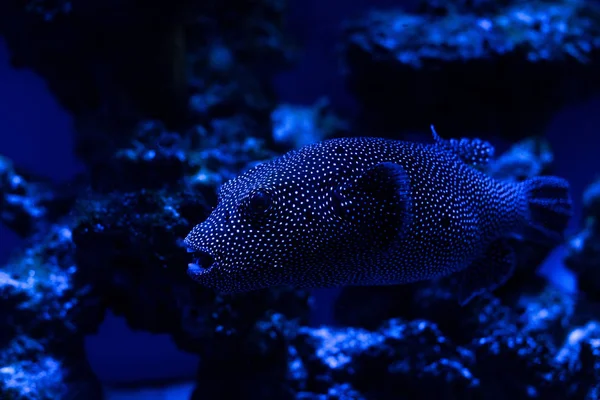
(155, 58)
(548, 310)
(525, 159)
(123, 252)
(171, 106)
(583, 256)
(295, 126)
(20, 205)
(48, 10)
(579, 358)
(28, 372)
(411, 360)
(126, 242)
(46, 312)
(259, 364)
(473, 66)
(28, 202)
(515, 353)
(551, 311)
(155, 157)
(203, 157)
(224, 149)
(446, 7)
(516, 365)
(166, 113)
(336, 392)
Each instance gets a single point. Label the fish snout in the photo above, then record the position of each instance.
(203, 259)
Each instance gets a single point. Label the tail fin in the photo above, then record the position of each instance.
(550, 208)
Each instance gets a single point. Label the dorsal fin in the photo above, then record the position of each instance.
(475, 152)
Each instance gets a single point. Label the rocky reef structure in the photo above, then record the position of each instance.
(296, 126)
(584, 247)
(473, 65)
(172, 114)
(157, 144)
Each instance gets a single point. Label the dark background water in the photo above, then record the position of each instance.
(37, 134)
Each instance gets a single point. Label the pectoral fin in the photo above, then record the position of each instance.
(386, 187)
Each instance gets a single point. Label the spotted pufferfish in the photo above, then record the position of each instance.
(374, 211)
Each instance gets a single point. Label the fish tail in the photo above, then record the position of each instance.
(549, 207)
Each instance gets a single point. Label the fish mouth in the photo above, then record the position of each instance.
(203, 261)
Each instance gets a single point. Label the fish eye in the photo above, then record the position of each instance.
(259, 202)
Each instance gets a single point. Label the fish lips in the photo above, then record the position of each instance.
(203, 262)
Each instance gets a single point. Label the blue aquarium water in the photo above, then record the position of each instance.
(446, 267)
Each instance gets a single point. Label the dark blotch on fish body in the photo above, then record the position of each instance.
(371, 211)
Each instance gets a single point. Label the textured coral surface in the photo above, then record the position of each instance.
(178, 99)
